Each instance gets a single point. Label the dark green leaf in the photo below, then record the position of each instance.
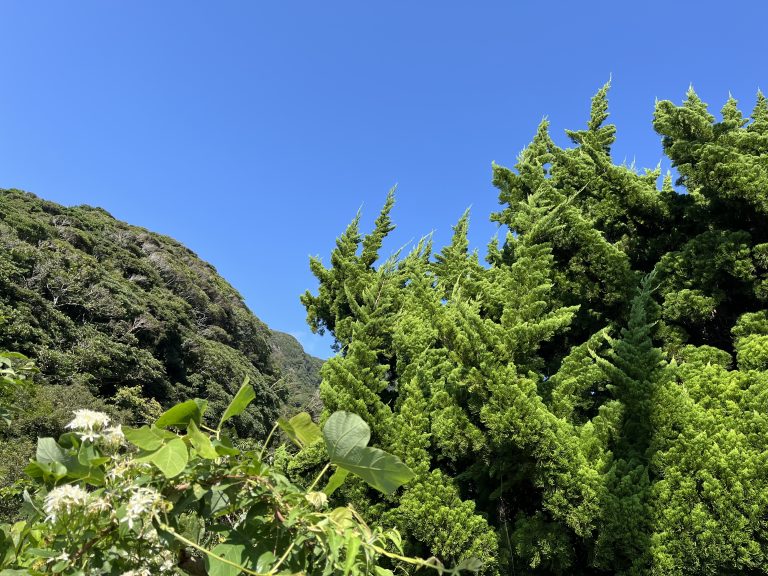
(335, 481)
(182, 413)
(265, 562)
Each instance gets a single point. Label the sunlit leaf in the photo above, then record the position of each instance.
(336, 480)
(346, 437)
(181, 414)
(201, 442)
(240, 402)
(171, 458)
(344, 431)
(49, 451)
(145, 437)
(235, 553)
(301, 430)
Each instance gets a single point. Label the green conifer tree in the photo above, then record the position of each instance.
(558, 420)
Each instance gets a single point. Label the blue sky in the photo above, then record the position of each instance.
(253, 131)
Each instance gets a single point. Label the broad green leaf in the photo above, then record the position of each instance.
(287, 428)
(343, 432)
(306, 430)
(346, 438)
(218, 499)
(300, 429)
(36, 469)
(378, 468)
(240, 402)
(201, 442)
(336, 480)
(265, 561)
(198, 491)
(145, 437)
(353, 546)
(49, 451)
(69, 440)
(58, 470)
(234, 553)
(182, 413)
(171, 458)
(86, 453)
(224, 449)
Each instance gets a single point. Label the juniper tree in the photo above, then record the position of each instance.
(559, 420)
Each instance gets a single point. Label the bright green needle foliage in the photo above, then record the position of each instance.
(593, 401)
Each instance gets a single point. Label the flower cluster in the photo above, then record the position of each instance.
(63, 499)
(94, 426)
(144, 501)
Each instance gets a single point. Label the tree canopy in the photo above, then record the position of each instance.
(591, 399)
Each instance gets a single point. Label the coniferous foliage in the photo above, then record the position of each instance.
(593, 400)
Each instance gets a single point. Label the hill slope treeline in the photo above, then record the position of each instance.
(104, 307)
(594, 400)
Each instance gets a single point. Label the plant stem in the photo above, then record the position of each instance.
(207, 552)
(266, 442)
(282, 558)
(323, 471)
(211, 430)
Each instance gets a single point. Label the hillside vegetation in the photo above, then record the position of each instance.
(119, 317)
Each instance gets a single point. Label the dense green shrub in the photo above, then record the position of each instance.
(592, 400)
(178, 496)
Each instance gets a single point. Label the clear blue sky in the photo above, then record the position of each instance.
(253, 131)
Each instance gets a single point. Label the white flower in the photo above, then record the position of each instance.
(63, 499)
(89, 421)
(139, 572)
(99, 505)
(113, 437)
(63, 557)
(150, 535)
(142, 501)
(90, 435)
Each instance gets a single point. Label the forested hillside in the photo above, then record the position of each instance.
(593, 399)
(113, 314)
(299, 371)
